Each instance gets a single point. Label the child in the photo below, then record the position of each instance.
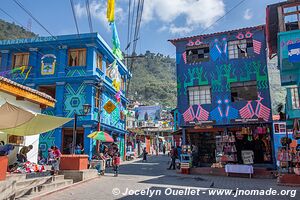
(145, 155)
(116, 163)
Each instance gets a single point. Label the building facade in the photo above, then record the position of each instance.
(75, 70)
(223, 90)
(284, 40)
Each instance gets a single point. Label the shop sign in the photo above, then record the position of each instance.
(279, 128)
(294, 52)
(48, 62)
(246, 120)
(109, 107)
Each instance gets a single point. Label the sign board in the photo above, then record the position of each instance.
(294, 52)
(247, 157)
(48, 62)
(109, 107)
(279, 127)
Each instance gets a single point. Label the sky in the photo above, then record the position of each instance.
(162, 19)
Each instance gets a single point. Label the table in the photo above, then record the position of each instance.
(241, 169)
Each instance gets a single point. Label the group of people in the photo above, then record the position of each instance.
(174, 154)
(110, 156)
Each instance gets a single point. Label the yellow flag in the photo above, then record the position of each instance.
(110, 10)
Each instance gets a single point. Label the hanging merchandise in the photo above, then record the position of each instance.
(116, 42)
(110, 11)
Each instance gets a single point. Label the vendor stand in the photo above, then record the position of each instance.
(185, 159)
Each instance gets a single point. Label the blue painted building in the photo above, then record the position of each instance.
(223, 90)
(69, 68)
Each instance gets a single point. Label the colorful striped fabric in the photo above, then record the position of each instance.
(189, 115)
(256, 46)
(201, 114)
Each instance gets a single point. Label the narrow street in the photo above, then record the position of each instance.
(155, 176)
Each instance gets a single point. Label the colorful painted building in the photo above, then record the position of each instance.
(75, 70)
(223, 92)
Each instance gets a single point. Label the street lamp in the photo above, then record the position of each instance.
(86, 110)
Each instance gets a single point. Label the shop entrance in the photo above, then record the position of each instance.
(205, 143)
(67, 138)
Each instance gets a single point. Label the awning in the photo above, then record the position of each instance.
(25, 125)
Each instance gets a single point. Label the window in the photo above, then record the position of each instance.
(291, 16)
(77, 57)
(197, 54)
(97, 98)
(199, 95)
(48, 89)
(99, 61)
(107, 68)
(20, 59)
(122, 83)
(295, 98)
(240, 48)
(243, 91)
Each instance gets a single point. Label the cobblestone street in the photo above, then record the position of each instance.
(155, 179)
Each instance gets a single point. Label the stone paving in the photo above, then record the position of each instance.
(153, 179)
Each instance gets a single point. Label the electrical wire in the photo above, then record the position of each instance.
(88, 10)
(229, 11)
(74, 15)
(35, 19)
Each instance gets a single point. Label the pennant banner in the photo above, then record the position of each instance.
(18, 72)
(110, 10)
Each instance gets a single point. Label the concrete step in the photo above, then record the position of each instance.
(33, 182)
(46, 188)
(15, 177)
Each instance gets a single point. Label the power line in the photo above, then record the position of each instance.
(87, 5)
(14, 19)
(74, 15)
(30, 14)
(229, 11)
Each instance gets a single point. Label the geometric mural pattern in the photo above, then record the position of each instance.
(74, 99)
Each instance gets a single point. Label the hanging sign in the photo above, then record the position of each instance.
(109, 107)
(294, 52)
(48, 62)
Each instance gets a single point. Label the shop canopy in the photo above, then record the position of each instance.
(21, 122)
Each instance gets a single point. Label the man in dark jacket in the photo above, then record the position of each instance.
(173, 155)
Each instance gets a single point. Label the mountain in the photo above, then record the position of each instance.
(13, 31)
(154, 80)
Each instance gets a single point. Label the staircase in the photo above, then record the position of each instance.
(29, 188)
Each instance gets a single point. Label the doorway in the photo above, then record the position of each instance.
(67, 138)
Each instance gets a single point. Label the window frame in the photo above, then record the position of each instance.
(99, 61)
(206, 55)
(77, 50)
(197, 98)
(286, 13)
(236, 51)
(20, 54)
(244, 84)
(43, 88)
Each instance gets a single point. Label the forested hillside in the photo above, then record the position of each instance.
(13, 31)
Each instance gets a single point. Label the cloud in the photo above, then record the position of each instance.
(195, 13)
(248, 14)
(98, 12)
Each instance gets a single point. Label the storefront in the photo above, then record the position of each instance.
(217, 146)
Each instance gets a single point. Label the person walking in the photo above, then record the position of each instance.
(57, 155)
(173, 155)
(22, 155)
(116, 163)
(164, 149)
(145, 153)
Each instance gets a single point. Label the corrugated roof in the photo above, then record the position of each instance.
(36, 92)
(173, 41)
